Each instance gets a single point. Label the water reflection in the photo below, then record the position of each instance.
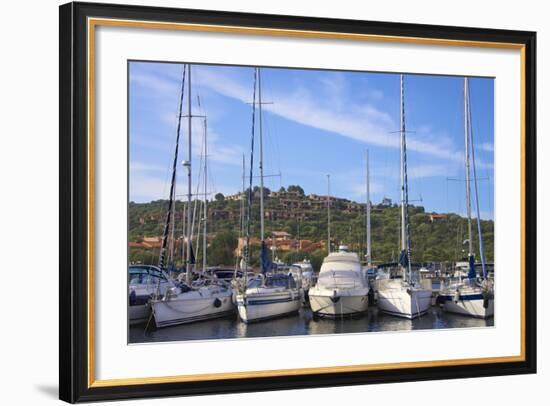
(303, 324)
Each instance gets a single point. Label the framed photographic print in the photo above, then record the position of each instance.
(257, 202)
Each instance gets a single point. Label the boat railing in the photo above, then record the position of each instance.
(455, 282)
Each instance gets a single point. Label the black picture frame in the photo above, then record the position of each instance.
(74, 199)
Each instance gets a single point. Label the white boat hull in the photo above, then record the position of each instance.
(405, 302)
(139, 313)
(257, 307)
(338, 302)
(139, 310)
(191, 306)
(469, 305)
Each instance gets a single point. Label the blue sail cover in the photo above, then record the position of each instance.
(191, 253)
(404, 259)
(471, 268)
(172, 267)
(265, 262)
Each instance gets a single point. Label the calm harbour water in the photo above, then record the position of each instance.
(302, 324)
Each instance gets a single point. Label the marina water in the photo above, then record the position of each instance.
(301, 324)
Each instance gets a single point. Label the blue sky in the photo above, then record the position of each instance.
(320, 122)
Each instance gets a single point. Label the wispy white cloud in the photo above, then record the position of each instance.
(359, 191)
(325, 105)
(168, 87)
(427, 171)
(137, 166)
(153, 82)
(485, 146)
(360, 122)
(375, 94)
(217, 151)
(147, 187)
(363, 123)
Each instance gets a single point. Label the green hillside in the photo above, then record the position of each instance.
(433, 239)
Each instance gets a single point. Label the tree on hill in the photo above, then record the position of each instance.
(219, 197)
(295, 188)
(256, 191)
(222, 247)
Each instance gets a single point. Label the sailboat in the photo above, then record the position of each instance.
(341, 288)
(469, 296)
(403, 297)
(269, 294)
(145, 282)
(186, 303)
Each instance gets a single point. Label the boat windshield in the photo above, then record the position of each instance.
(338, 275)
(340, 278)
(273, 281)
(283, 281)
(255, 283)
(144, 275)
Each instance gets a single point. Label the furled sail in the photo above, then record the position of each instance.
(162, 255)
(266, 263)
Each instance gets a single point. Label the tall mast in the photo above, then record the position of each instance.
(405, 240)
(188, 165)
(261, 160)
(328, 213)
(205, 196)
(369, 259)
(467, 169)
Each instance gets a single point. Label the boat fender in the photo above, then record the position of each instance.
(133, 297)
(456, 296)
(370, 297)
(409, 291)
(335, 298)
(217, 302)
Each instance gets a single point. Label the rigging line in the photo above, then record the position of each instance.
(173, 181)
(188, 164)
(199, 201)
(195, 202)
(206, 167)
(205, 225)
(249, 197)
(480, 236)
(405, 203)
(269, 127)
(162, 209)
(274, 145)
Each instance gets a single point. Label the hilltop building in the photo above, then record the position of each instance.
(386, 201)
(438, 218)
